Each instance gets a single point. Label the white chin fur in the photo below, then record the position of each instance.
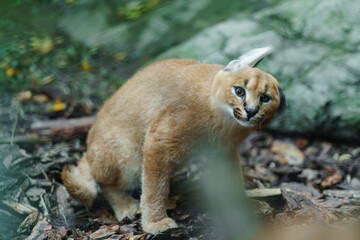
(244, 123)
(229, 110)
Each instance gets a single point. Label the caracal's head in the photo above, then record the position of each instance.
(246, 94)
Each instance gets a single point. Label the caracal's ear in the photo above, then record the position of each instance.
(250, 59)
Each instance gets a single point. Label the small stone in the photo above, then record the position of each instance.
(355, 183)
(311, 151)
(309, 174)
(34, 193)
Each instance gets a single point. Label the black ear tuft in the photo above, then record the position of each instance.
(258, 62)
(283, 103)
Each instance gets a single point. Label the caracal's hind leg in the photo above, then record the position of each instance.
(121, 202)
(115, 173)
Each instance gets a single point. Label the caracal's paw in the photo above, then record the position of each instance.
(127, 210)
(159, 226)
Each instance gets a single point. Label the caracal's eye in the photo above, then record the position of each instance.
(264, 98)
(240, 92)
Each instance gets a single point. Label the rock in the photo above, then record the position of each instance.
(309, 174)
(291, 153)
(355, 183)
(224, 41)
(322, 21)
(316, 58)
(95, 23)
(34, 193)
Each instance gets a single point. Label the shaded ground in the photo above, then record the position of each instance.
(296, 180)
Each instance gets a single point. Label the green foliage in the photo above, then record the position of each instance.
(37, 59)
(134, 9)
(33, 62)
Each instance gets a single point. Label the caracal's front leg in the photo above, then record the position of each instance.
(162, 153)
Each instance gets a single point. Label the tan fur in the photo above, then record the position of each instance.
(146, 127)
(79, 182)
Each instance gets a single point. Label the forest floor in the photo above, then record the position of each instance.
(290, 181)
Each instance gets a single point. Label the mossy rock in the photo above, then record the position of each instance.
(96, 23)
(315, 60)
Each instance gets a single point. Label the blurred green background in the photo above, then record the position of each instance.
(61, 54)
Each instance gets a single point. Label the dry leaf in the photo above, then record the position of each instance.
(24, 95)
(137, 237)
(58, 106)
(11, 72)
(40, 98)
(290, 152)
(331, 180)
(86, 66)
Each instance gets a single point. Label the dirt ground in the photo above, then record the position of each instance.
(289, 181)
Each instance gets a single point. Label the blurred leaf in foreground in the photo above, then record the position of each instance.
(233, 217)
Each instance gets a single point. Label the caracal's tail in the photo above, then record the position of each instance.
(79, 182)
